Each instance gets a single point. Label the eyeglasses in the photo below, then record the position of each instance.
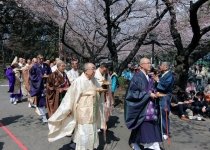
(147, 63)
(91, 69)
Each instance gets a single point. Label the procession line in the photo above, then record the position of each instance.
(13, 137)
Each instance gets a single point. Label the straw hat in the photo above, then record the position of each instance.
(15, 61)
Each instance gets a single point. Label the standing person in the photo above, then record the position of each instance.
(165, 85)
(26, 79)
(115, 84)
(78, 112)
(28, 62)
(199, 79)
(73, 73)
(20, 62)
(55, 88)
(24, 62)
(141, 110)
(14, 78)
(103, 77)
(190, 86)
(54, 68)
(38, 74)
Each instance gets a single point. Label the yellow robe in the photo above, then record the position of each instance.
(78, 112)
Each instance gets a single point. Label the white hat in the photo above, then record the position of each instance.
(15, 61)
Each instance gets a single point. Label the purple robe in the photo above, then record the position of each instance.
(38, 84)
(11, 78)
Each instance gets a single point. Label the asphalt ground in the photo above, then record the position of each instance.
(27, 129)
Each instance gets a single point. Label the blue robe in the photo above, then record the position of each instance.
(165, 86)
(38, 84)
(137, 100)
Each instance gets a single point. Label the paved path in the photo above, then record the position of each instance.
(27, 127)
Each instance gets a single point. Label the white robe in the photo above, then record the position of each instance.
(61, 123)
(104, 107)
(72, 75)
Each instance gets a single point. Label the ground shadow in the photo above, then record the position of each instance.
(9, 120)
(1, 145)
(113, 122)
(117, 101)
(110, 138)
(109, 142)
(66, 147)
(23, 100)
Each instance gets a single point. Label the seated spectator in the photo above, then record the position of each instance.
(200, 106)
(180, 103)
(190, 86)
(207, 88)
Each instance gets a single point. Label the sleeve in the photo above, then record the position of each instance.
(163, 86)
(11, 78)
(50, 85)
(135, 103)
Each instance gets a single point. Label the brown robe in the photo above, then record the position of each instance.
(55, 81)
(26, 79)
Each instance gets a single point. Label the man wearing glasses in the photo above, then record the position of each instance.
(141, 110)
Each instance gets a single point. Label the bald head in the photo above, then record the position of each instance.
(34, 60)
(143, 60)
(145, 65)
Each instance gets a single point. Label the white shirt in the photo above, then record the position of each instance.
(164, 74)
(54, 68)
(20, 64)
(72, 75)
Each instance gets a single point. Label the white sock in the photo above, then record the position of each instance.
(135, 146)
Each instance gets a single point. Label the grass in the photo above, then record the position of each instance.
(2, 79)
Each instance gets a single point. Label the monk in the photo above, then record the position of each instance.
(55, 88)
(79, 112)
(102, 76)
(38, 74)
(14, 76)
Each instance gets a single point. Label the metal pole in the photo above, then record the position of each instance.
(59, 44)
(153, 52)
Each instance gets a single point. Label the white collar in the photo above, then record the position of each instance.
(164, 73)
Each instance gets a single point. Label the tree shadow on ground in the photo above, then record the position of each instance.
(9, 120)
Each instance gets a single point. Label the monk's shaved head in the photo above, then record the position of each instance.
(143, 60)
(145, 65)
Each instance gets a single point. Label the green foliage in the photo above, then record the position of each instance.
(123, 82)
(24, 34)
